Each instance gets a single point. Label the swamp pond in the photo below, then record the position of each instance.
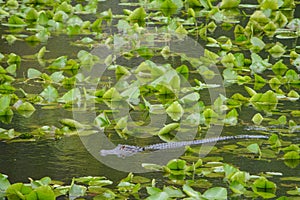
(84, 75)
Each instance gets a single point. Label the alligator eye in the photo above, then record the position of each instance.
(123, 147)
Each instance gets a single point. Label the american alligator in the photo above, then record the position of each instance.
(124, 150)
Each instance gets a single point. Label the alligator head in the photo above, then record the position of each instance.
(122, 150)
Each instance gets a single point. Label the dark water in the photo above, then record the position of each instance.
(59, 159)
(66, 158)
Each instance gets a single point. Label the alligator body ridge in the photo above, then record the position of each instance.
(124, 150)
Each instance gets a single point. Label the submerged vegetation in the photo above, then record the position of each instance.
(125, 68)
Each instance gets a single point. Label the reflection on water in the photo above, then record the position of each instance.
(66, 158)
(61, 160)
(41, 117)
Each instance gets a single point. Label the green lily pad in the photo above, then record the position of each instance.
(14, 59)
(292, 163)
(121, 123)
(183, 70)
(93, 180)
(59, 63)
(42, 18)
(26, 109)
(145, 52)
(264, 188)
(254, 148)
(175, 111)
(102, 120)
(293, 95)
(228, 4)
(168, 128)
(239, 59)
(275, 83)
(44, 192)
(230, 75)
(215, 193)
(6, 114)
(237, 188)
(176, 164)
(77, 190)
(292, 147)
(112, 94)
(10, 39)
(57, 76)
(138, 16)
(270, 4)
(279, 68)
(31, 15)
(167, 192)
(17, 191)
(294, 192)
(258, 64)
(270, 28)
(50, 93)
(96, 25)
(168, 8)
(280, 19)
(193, 3)
(257, 119)
(257, 44)
(228, 60)
(71, 96)
(7, 89)
(266, 101)
(121, 70)
(71, 123)
(132, 94)
(15, 21)
(181, 32)
(33, 73)
(277, 50)
(191, 192)
(292, 155)
(4, 183)
(295, 113)
(210, 114)
(5, 102)
(190, 98)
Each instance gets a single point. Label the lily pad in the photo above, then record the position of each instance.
(215, 193)
(257, 44)
(168, 8)
(279, 68)
(33, 73)
(264, 188)
(292, 155)
(168, 128)
(254, 148)
(71, 123)
(71, 96)
(176, 164)
(26, 109)
(138, 16)
(270, 4)
(257, 119)
(50, 93)
(175, 111)
(15, 21)
(265, 102)
(277, 50)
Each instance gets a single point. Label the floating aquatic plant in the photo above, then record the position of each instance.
(270, 79)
